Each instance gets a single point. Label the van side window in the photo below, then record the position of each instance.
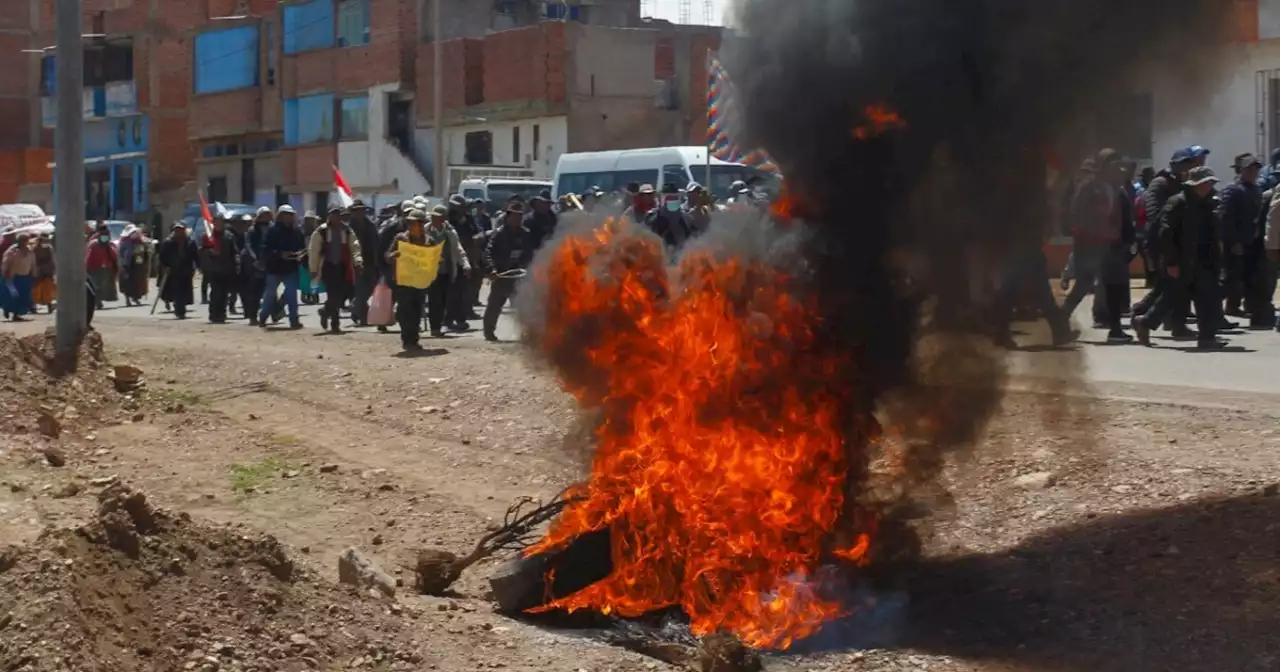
(473, 194)
(674, 174)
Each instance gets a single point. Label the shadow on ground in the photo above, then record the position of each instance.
(1195, 588)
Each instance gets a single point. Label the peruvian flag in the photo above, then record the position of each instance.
(345, 197)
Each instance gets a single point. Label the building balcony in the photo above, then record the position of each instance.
(115, 99)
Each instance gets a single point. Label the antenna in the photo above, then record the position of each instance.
(686, 11)
(646, 8)
(709, 12)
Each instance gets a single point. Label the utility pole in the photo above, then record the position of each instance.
(440, 185)
(69, 174)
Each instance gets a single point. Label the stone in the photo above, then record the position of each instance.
(104, 481)
(49, 425)
(358, 569)
(139, 416)
(67, 490)
(1039, 480)
(1271, 490)
(55, 457)
(328, 468)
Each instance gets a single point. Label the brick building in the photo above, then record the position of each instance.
(255, 100)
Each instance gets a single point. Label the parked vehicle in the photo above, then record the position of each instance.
(613, 170)
(191, 215)
(497, 191)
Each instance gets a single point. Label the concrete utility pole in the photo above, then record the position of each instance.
(69, 176)
(440, 185)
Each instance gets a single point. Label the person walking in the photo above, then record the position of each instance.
(1166, 184)
(1239, 207)
(467, 231)
(1190, 252)
(45, 291)
(1098, 214)
(179, 257)
(282, 250)
(668, 220)
(453, 265)
(102, 262)
(409, 300)
(335, 258)
(219, 261)
(366, 236)
(509, 250)
(135, 266)
(253, 270)
(17, 270)
(542, 221)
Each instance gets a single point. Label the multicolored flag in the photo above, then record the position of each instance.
(719, 123)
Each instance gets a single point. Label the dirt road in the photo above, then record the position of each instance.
(1141, 537)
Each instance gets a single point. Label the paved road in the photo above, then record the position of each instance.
(1251, 366)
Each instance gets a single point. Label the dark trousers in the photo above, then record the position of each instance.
(409, 314)
(366, 281)
(1259, 285)
(500, 289)
(1093, 263)
(204, 288)
(337, 289)
(459, 305)
(251, 288)
(220, 288)
(1030, 273)
(438, 302)
(475, 281)
(1233, 285)
(1201, 289)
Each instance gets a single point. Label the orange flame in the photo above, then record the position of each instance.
(720, 465)
(880, 119)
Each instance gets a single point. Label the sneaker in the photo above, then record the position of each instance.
(324, 321)
(459, 326)
(491, 337)
(437, 333)
(1226, 325)
(1118, 337)
(412, 347)
(295, 325)
(1213, 344)
(1185, 335)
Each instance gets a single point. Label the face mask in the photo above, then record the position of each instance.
(104, 239)
(673, 206)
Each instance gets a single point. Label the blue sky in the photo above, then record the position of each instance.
(670, 9)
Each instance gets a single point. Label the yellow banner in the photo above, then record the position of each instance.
(417, 265)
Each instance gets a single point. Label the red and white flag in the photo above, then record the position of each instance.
(208, 219)
(345, 197)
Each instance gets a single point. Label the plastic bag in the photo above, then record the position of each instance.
(380, 310)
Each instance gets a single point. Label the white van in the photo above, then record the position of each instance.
(498, 190)
(611, 171)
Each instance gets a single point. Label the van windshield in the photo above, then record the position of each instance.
(501, 192)
(722, 176)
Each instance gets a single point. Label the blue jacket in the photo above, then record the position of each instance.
(279, 241)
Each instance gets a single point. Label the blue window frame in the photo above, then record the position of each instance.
(309, 119)
(226, 60)
(353, 23)
(353, 124)
(308, 26)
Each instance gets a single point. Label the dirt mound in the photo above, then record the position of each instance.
(138, 588)
(29, 382)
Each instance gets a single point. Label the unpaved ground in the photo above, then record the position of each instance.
(1141, 538)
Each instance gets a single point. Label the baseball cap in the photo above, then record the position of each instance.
(1197, 151)
(416, 215)
(286, 209)
(1200, 175)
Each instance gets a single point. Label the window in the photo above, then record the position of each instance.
(353, 124)
(479, 148)
(322, 201)
(48, 75)
(308, 119)
(515, 144)
(579, 183)
(248, 179)
(537, 140)
(353, 23)
(308, 26)
(226, 60)
(217, 189)
(675, 175)
(124, 187)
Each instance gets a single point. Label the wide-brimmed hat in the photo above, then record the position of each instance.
(357, 205)
(286, 209)
(439, 211)
(264, 210)
(516, 207)
(645, 189)
(1246, 160)
(1200, 175)
(416, 215)
(458, 200)
(336, 209)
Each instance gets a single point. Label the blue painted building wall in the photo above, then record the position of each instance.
(226, 60)
(118, 147)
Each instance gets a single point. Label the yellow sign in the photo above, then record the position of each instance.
(417, 265)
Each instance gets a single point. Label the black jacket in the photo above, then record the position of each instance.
(386, 238)
(282, 240)
(509, 249)
(465, 226)
(672, 227)
(256, 240)
(1164, 185)
(542, 225)
(1189, 235)
(1239, 206)
(367, 233)
(226, 261)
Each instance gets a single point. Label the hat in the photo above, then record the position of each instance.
(1197, 151)
(458, 200)
(1108, 156)
(246, 217)
(311, 214)
(264, 210)
(1246, 160)
(129, 230)
(645, 189)
(543, 197)
(179, 227)
(357, 205)
(693, 187)
(516, 207)
(439, 211)
(595, 191)
(1200, 175)
(516, 198)
(416, 215)
(286, 209)
(334, 209)
(1089, 166)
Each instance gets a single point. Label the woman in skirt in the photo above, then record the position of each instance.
(17, 267)
(102, 261)
(135, 266)
(45, 291)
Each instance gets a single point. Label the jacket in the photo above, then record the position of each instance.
(1239, 206)
(453, 258)
(281, 240)
(465, 226)
(367, 236)
(1095, 213)
(255, 247)
(101, 255)
(509, 248)
(225, 261)
(672, 227)
(542, 225)
(1185, 223)
(386, 243)
(318, 246)
(1163, 186)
